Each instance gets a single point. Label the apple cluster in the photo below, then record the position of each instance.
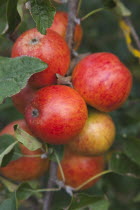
(57, 114)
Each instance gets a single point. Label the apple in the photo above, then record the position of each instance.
(78, 169)
(21, 99)
(24, 168)
(60, 26)
(96, 137)
(56, 114)
(50, 48)
(102, 80)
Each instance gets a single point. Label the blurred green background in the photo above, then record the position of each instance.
(101, 33)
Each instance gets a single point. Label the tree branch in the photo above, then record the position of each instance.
(133, 31)
(72, 13)
(51, 182)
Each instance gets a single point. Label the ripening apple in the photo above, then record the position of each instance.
(50, 48)
(27, 167)
(102, 80)
(60, 26)
(56, 114)
(78, 169)
(21, 99)
(96, 137)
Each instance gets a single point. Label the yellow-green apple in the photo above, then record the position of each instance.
(96, 137)
(102, 80)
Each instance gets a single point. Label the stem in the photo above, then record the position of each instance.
(133, 31)
(60, 167)
(52, 177)
(72, 11)
(92, 178)
(91, 13)
(79, 6)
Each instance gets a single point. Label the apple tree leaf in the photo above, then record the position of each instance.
(3, 17)
(81, 200)
(8, 184)
(121, 164)
(132, 149)
(7, 143)
(10, 203)
(14, 73)
(42, 13)
(26, 139)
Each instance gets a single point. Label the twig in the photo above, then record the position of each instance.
(72, 12)
(133, 31)
(51, 183)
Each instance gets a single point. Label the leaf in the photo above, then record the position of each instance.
(43, 13)
(121, 9)
(121, 164)
(10, 203)
(12, 15)
(59, 150)
(132, 149)
(80, 201)
(23, 192)
(14, 73)
(8, 184)
(7, 144)
(20, 5)
(109, 3)
(3, 17)
(26, 139)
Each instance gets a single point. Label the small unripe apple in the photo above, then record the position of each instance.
(50, 48)
(103, 81)
(78, 169)
(21, 99)
(56, 114)
(26, 167)
(60, 26)
(96, 137)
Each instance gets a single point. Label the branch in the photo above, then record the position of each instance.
(72, 13)
(133, 31)
(51, 182)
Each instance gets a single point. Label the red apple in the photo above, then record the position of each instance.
(56, 114)
(96, 137)
(24, 168)
(50, 48)
(60, 26)
(21, 99)
(103, 81)
(78, 169)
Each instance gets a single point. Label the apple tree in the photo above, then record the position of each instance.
(69, 105)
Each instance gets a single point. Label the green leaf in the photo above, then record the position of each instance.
(81, 200)
(109, 3)
(7, 144)
(3, 17)
(132, 149)
(121, 9)
(10, 203)
(14, 73)
(23, 192)
(12, 15)
(58, 149)
(8, 184)
(121, 164)
(26, 139)
(20, 6)
(43, 13)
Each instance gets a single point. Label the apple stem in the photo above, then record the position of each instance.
(92, 178)
(92, 12)
(79, 6)
(60, 167)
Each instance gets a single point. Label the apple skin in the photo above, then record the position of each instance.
(78, 168)
(60, 26)
(96, 137)
(24, 168)
(103, 81)
(50, 48)
(21, 99)
(56, 114)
